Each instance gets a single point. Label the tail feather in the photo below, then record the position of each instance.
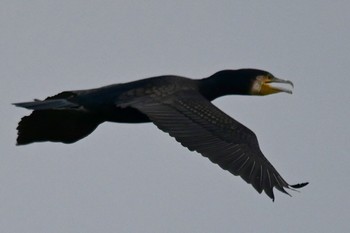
(54, 125)
(47, 104)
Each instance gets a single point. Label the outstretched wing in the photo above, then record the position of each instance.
(200, 126)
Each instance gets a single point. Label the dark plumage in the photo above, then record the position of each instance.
(177, 105)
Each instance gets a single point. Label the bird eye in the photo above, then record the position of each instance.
(269, 77)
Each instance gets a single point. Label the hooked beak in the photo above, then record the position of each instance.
(267, 88)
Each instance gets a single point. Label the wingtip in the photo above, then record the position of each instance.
(293, 187)
(300, 185)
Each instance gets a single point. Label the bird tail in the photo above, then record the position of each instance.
(56, 125)
(47, 104)
(55, 119)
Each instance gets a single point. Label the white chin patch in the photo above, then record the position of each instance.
(256, 88)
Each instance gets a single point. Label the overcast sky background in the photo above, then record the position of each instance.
(135, 178)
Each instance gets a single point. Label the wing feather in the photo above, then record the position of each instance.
(200, 126)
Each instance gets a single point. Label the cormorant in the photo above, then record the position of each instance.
(177, 105)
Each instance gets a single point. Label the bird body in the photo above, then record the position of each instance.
(177, 105)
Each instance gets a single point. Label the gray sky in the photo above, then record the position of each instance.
(135, 178)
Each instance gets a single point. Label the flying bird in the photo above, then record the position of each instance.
(177, 105)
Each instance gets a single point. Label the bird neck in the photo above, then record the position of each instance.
(226, 82)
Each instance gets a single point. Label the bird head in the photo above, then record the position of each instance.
(265, 83)
(243, 82)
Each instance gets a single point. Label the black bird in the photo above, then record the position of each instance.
(177, 105)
